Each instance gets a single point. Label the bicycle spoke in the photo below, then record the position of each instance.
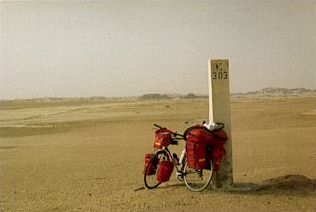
(197, 180)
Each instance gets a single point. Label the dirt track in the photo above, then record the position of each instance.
(88, 156)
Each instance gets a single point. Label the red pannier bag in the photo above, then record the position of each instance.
(204, 145)
(153, 166)
(198, 155)
(163, 138)
(219, 138)
(198, 134)
(201, 135)
(164, 171)
(217, 155)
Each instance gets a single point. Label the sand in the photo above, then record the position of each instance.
(88, 155)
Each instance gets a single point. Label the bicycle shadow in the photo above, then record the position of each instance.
(164, 185)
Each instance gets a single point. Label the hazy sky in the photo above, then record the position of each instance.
(135, 47)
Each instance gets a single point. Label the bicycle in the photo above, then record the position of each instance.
(194, 179)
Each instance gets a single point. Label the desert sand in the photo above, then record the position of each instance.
(79, 155)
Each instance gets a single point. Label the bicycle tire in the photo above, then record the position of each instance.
(151, 181)
(193, 178)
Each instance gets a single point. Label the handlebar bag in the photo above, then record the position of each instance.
(164, 171)
(163, 138)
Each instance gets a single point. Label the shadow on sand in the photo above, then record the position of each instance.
(286, 185)
(283, 185)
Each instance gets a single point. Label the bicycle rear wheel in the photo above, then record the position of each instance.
(150, 178)
(197, 179)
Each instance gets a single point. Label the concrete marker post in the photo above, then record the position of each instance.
(219, 111)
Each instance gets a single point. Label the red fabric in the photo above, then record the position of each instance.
(197, 156)
(153, 166)
(199, 134)
(164, 171)
(196, 137)
(221, 134)
(190, 153)
(217, 155)
(163, 138)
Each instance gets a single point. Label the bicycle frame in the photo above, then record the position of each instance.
(175, 162)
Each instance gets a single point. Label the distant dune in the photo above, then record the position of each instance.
(155, 96)
(265, 92)
(278, 92)
(172, 96)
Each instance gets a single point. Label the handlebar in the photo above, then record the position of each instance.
(179, 135)
(219, 126)
(174, 133)
(160, 127)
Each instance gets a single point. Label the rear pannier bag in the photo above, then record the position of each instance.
(203, 145)
(201, 135)
(153, 166)
(198, 134)
(164, 171)
(198, 155)
(217, 155)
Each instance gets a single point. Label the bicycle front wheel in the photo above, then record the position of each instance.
(197, 179)
(150, 178)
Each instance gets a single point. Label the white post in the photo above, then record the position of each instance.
(219, 111)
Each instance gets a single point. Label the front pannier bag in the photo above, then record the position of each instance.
(164, 171)
(153, 165)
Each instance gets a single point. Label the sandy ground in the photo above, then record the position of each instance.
(88, 156)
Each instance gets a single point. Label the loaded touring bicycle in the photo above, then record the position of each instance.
(202, 156)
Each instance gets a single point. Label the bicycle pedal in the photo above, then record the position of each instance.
(179, 176)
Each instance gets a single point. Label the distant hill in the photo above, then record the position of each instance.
(172, 96)
(274, 91)
(155, 96)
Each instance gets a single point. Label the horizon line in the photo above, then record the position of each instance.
(168, 95)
